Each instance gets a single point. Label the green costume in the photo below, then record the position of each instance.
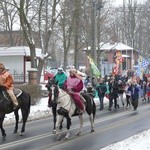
(60, 78)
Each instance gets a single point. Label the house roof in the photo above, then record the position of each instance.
(117, 46)
(18, 51)
(110, 46)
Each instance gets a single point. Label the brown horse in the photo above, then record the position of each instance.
(6, 107)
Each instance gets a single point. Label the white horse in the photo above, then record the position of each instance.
(67, 108)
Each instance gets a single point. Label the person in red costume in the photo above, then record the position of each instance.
(74, 85)
(6, 81)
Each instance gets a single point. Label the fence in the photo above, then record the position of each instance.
(20, 78)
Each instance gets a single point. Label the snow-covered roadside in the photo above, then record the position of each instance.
(139, 141)
(36, 112)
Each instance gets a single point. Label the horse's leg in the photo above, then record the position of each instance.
(81, 124)
(54, 117)
(92, 122)
(17, 119)
(24, 120)
(1, 126)
(68, 127)
(58, 124)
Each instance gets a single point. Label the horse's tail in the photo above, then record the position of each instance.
(94, 109)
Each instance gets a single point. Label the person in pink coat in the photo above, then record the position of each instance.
(74, 85)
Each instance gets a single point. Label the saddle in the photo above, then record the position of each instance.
(16, 91)
(6, 104)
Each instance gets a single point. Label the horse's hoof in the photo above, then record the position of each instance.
(54, 131)
(66, 138)
(79, 133)
(15, 131)
(21, 133)
(59, 138)
(4, 136)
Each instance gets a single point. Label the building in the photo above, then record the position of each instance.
(17, 60)
(107, 56)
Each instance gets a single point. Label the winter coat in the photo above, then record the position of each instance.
(6, 80)
(134, 92)
(121, 88)
(148, 89)
(113, 88)
(101, 89)
(74, 84)
(60, 78)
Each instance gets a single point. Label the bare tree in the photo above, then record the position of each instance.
(8, 20)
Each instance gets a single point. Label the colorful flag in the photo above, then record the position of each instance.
(94, 68)
(139, 71)
(144, 63)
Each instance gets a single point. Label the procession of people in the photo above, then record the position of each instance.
(120, 90)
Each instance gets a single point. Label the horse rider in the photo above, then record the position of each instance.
(74, 85)
(6, 81)
(60, 77)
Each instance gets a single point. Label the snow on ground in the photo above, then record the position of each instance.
(139, 141)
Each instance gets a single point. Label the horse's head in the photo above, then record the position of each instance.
(50, 83)
(53, 89)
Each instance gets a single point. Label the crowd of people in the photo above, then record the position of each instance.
(112, 87)
(115, 87)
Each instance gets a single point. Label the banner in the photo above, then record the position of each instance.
(141, 67)
(118, 60)
(94, 68)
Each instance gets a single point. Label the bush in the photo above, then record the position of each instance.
(35, 91)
